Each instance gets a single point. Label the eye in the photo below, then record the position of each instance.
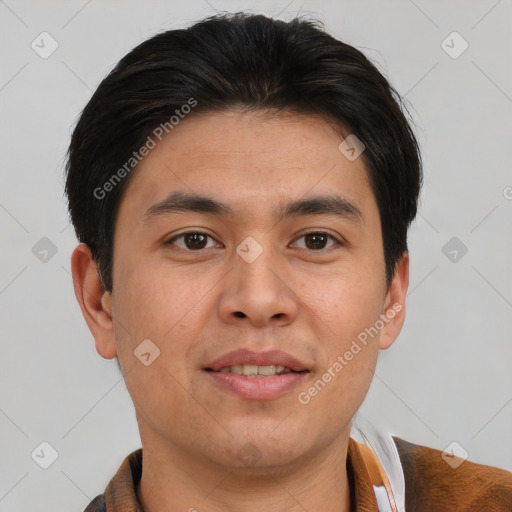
(316, 240)
(192, 240)
(198, 240)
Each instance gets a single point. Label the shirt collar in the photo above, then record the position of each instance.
(120, 494)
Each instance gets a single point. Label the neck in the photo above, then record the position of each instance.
(176, 480)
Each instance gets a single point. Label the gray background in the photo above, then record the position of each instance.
(447, 378)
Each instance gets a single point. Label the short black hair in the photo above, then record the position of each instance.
(230, 61)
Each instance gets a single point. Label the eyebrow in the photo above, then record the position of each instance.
(179, 201)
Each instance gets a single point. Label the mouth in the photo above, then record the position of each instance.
(257, 375)
(251, 363)
(255, 371)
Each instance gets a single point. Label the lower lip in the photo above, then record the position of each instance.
(258, 388)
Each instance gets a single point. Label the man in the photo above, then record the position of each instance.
(242, 191)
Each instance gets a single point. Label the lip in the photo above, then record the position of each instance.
(255, 388)
(270, 357)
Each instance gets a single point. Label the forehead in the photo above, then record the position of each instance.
(252, 161)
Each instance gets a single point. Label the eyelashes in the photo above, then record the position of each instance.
(202, 236)
(197, 240)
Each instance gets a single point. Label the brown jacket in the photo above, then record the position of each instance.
(431, 484)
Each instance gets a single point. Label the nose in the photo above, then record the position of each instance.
(259, 291)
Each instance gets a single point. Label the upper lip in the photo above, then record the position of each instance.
(268, 358)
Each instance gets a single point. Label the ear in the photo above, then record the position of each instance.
(95, 302)
(394, 303)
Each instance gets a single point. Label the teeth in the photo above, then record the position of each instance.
(252, 370)
(266, 370)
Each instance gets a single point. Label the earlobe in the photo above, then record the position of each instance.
(94, 301)
(394, 303)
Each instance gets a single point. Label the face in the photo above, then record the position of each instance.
(290, 261)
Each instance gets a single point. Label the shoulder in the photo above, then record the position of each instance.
(97, 504)
(433, 483)
(120, 494)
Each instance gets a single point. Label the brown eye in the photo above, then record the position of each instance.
(192, 240)
(317, 240)
(195, 240)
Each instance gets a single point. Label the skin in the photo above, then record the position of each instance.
(309, 302)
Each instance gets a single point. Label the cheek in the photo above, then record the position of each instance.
(153, 300)
(344, 304)
(168, 308)
(348, 356)
(165, 312)
(344, 311)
